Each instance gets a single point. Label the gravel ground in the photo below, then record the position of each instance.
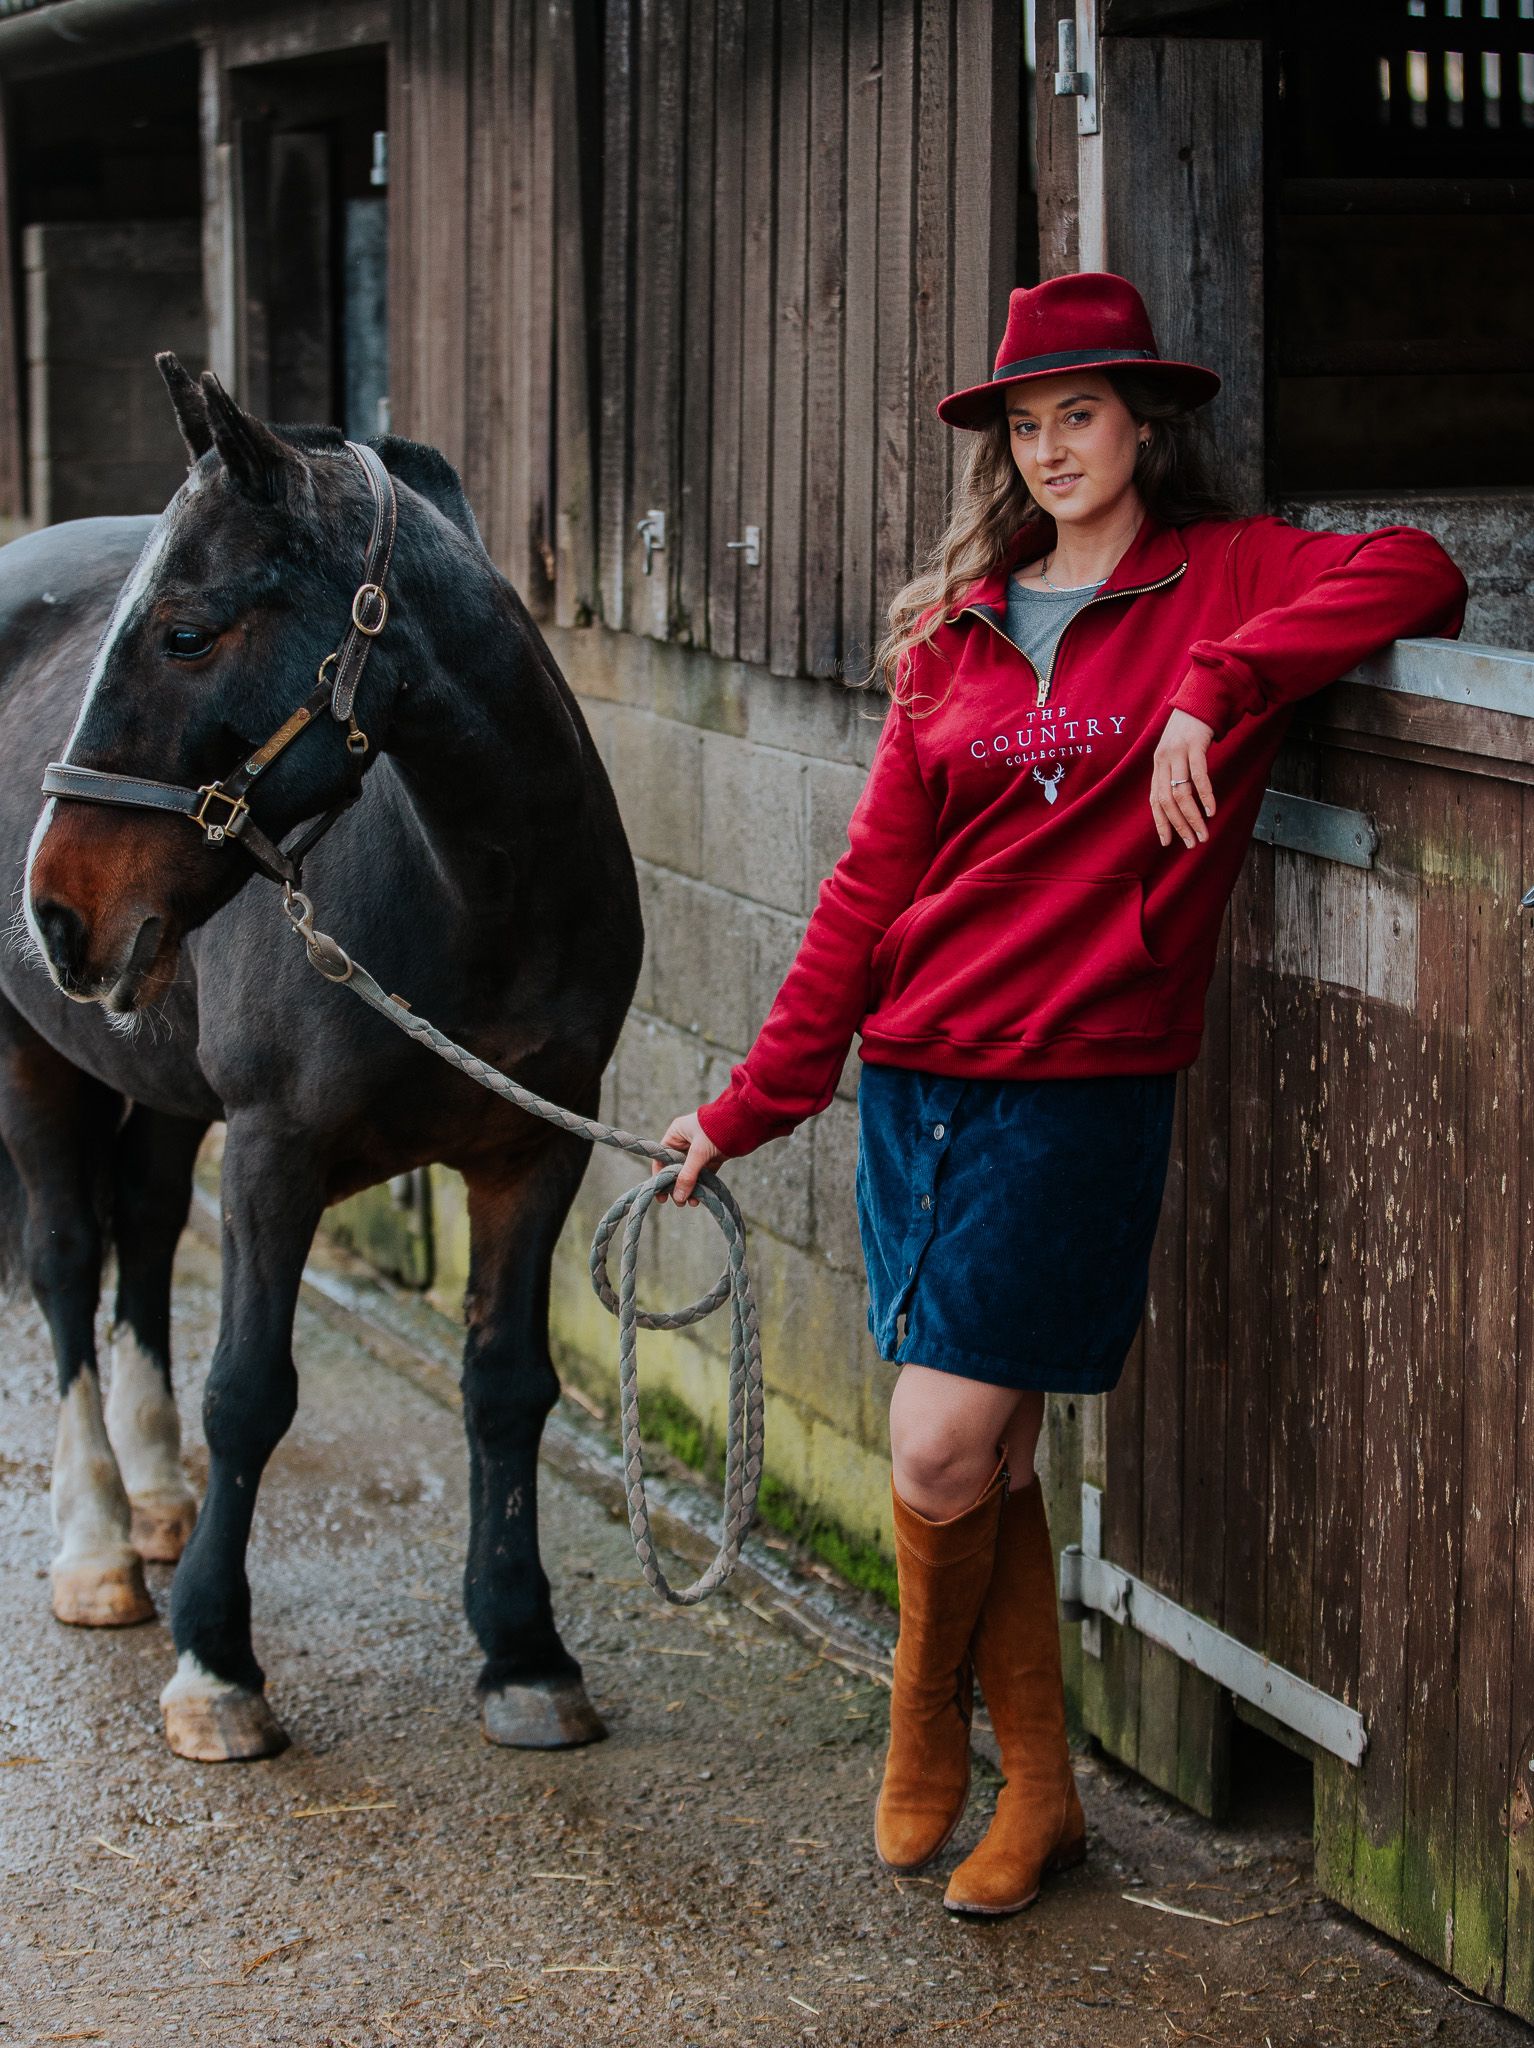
(705, 1876)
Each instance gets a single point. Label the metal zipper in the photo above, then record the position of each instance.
(1103, 597)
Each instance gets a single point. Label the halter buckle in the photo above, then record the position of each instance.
(216, 830)
(376, 598)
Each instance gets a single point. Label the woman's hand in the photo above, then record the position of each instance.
(686, 1134)
(1181, 758)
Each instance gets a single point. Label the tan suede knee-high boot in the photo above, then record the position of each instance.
(943, 1569)
(1039, 1825)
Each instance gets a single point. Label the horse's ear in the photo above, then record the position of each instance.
(190, 407)
(260, 463)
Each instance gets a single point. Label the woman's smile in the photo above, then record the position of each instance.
(1062, 483)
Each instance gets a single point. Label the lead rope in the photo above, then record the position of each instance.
(744, 1430)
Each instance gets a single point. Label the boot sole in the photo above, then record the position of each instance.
(910, 1869)
(1065, 1858)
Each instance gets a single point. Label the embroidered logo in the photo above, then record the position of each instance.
(1051, 783)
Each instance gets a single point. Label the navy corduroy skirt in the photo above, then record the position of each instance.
(1007, 1225)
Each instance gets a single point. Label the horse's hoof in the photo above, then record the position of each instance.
(552, 1713)
(103, 1595)
(162, 1522)
(209, 1721)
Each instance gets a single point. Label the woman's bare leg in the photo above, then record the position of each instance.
(946, 1433)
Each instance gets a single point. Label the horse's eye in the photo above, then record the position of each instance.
(186, 643)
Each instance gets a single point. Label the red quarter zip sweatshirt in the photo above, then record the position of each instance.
(1004, 908)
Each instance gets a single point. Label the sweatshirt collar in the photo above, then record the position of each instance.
(1155, 552)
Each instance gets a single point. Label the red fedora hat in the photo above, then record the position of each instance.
(1086, 320)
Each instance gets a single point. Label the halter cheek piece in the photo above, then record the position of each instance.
(221, 810)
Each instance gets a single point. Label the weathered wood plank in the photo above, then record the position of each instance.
(1203, 1725)
(696, 550)
(825, 290)
(988, 120)
(759, 211)
(657, 289)
(1252, 992)
(725, 522)
(1055, 148)
(1490, 1251)
(1345, 1028)
(1518, 1983)
(403, 292)
(1182, 194)
(892, 413)
(538, 591)
(485, 266)
(1296, 1147)
(787, 525)
(1435, 1368)
(859, 418)
(1391, 1248)
(440, 253)
(932, 446)
(577, 141)
(1162, 1435)
(513, 144)
(617, 383)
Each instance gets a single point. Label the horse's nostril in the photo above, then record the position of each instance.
(63, 936)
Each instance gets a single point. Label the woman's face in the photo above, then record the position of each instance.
(1074, 442)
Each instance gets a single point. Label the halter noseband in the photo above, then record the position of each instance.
(221, 810)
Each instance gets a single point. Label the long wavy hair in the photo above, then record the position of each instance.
(992, 505)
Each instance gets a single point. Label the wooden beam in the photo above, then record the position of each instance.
(1179, 210)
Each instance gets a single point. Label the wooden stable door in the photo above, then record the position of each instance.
(1311, 1498)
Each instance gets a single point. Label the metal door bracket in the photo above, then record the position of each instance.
(1326, 830)
(1092, 1588)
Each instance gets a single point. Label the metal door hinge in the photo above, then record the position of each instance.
(1091, 1588)
(1076, 64)
(652, 533)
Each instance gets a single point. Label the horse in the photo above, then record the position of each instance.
(475, 858)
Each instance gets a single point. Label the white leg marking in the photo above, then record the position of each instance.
(90, 1505)
(143, 1424)
(194, 1681)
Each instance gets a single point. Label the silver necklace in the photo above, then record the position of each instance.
(1044, 578)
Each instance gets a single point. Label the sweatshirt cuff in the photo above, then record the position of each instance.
(1219, 689)
(730, 1123)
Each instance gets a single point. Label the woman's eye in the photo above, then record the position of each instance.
(186, 643)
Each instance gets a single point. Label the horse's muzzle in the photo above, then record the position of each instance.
(82, 972)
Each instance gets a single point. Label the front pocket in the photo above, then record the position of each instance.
(1022, 956)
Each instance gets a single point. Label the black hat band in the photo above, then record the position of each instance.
(1073, 358)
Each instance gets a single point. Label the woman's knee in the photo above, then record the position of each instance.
(941, 1465)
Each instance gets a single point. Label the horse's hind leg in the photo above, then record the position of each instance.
(58, 1125)
(151, 1194)
(531, 1686)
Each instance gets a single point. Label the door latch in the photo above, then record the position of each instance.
(750, 548)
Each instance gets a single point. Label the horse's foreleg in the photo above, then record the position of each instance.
(533, 1697)
(57, 1125)
(215, 1706)
(151, 1193)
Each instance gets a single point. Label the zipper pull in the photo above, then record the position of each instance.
(1043, 691)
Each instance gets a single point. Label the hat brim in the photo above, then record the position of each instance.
(978, 406)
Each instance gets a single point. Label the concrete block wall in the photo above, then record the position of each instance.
(101, 299)
(1489, 533)
(735, 787)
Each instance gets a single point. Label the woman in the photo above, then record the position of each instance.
(1025, 953)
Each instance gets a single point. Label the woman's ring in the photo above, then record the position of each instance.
(1177, 780)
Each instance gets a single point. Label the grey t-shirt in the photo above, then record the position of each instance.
(1036, 618)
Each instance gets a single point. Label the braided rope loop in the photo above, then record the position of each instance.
(745, 1427)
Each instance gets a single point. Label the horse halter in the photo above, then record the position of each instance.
(221, 810)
